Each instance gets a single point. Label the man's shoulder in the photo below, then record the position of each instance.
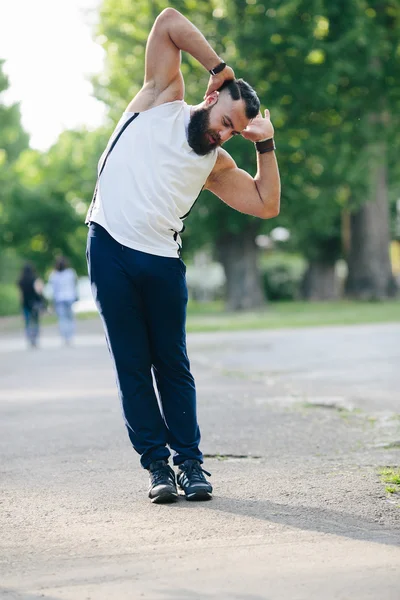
(224, 160)
(222, 166)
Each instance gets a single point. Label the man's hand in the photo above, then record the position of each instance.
(215, 81)
(260, 128)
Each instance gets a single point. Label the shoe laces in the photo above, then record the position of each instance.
(159, 471)
(194, 470)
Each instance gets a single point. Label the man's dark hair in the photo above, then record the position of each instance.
(240, 89)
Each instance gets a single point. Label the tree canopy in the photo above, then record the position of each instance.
(328, 72)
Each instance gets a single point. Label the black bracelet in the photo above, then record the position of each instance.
(218, 68)
(265, 146)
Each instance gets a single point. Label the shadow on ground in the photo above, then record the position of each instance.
(309, 519)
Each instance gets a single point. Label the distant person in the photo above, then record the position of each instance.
(63, 283)
(32, 302)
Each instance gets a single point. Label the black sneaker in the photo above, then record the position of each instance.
(192, 481)
(162, 483)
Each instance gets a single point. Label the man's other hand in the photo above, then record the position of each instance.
(260, 128)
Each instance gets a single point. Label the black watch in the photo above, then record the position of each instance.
(218, 68)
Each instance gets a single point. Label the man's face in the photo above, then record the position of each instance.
(220, 119)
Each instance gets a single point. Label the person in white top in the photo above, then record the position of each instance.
(63, 282)
(160, 156)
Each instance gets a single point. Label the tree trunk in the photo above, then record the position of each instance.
(320, 281)
(238, 255)
(370, 275)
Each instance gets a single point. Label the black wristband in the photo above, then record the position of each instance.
(265, 146)
(217, 69)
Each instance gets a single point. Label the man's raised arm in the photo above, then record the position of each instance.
(170, 34)
(258, 196)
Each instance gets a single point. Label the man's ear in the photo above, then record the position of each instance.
(211, 99)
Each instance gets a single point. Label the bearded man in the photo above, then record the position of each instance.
(160, 156)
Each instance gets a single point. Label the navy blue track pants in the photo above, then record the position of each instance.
(142, 301)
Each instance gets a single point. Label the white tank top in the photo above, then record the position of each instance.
(151, 180)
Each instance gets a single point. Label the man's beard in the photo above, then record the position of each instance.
(198, 132)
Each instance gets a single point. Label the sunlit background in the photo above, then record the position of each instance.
(49, 52)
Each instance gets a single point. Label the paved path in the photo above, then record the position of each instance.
(295, 425)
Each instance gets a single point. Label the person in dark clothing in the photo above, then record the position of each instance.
(31, 288)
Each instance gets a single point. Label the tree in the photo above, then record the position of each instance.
(51, 193)
(376, 79)
(13, 140)
(354, 108)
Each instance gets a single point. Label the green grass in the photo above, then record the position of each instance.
(211, 316)
(276, 315)
(9, 299)
(391, 476)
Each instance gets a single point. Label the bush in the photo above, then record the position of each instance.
(9, 299)
(281, 276)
